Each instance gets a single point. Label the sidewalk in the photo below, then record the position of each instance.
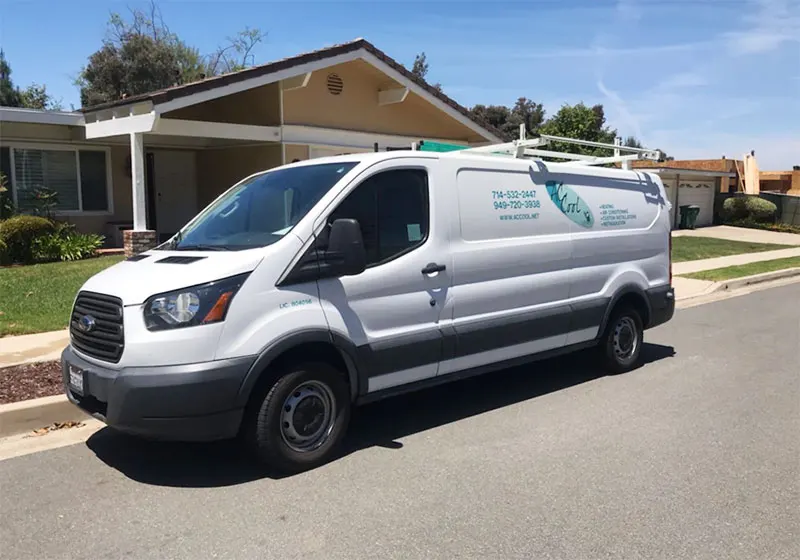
(741, 234)
(43, 347)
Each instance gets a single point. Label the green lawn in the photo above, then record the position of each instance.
(729, 272)
(687, 248)
(38, 298)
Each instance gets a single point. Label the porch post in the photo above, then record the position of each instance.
(139, 239)
(138, 182)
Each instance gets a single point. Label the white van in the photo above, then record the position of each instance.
(313, 287)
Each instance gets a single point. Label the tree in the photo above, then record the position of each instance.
(9, 95)
(35, 96)
(143, 55)
(580, 122)
(507, 120)
(421, 66)
(632, 142)
(420, 69)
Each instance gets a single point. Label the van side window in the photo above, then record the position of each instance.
(392, 209)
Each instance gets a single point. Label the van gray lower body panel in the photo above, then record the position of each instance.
(191, 402)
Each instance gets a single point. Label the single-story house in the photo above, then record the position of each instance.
(694, 182)
(148, 163)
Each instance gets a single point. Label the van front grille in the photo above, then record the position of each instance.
(96, 327)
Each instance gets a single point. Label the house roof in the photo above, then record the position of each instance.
(722, 164)
(687, 171)
(179, 91)
(37, 116)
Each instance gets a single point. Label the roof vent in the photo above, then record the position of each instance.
(335, 84)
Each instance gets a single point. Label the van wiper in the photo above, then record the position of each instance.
(202, 248)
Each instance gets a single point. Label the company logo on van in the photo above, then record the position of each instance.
(570, 204)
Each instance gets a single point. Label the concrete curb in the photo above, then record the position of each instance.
(735, 283)
(26, 416)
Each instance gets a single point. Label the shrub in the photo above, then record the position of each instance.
(3, 252)
(65, 244)
(19, 233)
(779, 227)
(6, 204)
(760, 209)
(751, 208)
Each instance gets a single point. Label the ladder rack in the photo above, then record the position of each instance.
(524, 147)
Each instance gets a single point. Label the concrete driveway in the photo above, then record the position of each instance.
(741, 234)
(696, 456)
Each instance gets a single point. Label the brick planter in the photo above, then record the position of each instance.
(138, 241)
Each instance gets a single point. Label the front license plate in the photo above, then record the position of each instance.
(76, 379)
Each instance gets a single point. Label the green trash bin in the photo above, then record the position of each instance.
(691, 215)
(684, 216)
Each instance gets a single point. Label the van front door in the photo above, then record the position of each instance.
(393, 310)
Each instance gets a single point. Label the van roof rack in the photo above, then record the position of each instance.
(525, 147)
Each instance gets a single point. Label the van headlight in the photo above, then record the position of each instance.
(189, 307)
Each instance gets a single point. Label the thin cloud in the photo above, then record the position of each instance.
(618, 106)
(767, 28)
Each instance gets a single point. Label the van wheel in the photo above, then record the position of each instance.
(301, 420)
(621, 344)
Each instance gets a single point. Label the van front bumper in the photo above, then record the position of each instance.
(190, 402)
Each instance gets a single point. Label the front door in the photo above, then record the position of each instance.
(175, 186)
(393, 311)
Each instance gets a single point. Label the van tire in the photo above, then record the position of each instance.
(285, 442)
(623, 331)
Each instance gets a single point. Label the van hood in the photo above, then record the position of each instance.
(154, 272)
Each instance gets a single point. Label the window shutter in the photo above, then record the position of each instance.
(93, 181)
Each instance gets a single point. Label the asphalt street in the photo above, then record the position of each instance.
(695, 455)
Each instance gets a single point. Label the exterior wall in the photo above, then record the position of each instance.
(724, 165)
(121, 200)
(220, 169)
(39, 132)
(795, 189)
(357, 108)
(296, 151)
(258, 106)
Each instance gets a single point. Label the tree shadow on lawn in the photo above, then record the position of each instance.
(380, 424)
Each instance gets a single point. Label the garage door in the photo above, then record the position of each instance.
(700, 193)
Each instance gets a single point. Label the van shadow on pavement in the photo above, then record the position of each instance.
(196, 465)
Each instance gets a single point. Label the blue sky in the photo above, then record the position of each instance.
(697, 78)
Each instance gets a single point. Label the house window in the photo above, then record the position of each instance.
(78, 176)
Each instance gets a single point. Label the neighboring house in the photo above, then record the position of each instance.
(695, 182)
(786, 182)
(148, 163)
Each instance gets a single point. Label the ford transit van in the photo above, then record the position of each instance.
(313, 287)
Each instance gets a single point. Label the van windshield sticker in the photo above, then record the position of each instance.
(414, 232)
(570, 204)
(611, 216)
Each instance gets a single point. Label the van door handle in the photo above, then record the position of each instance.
(433, 267)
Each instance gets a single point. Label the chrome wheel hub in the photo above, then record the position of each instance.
(626, 339)
(307, 416)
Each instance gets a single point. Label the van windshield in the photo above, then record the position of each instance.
(260, 211)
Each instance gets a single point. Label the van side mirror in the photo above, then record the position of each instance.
(345, 255)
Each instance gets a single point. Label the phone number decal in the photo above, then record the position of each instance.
(510, 195)
(511, 199)
(516, 204)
